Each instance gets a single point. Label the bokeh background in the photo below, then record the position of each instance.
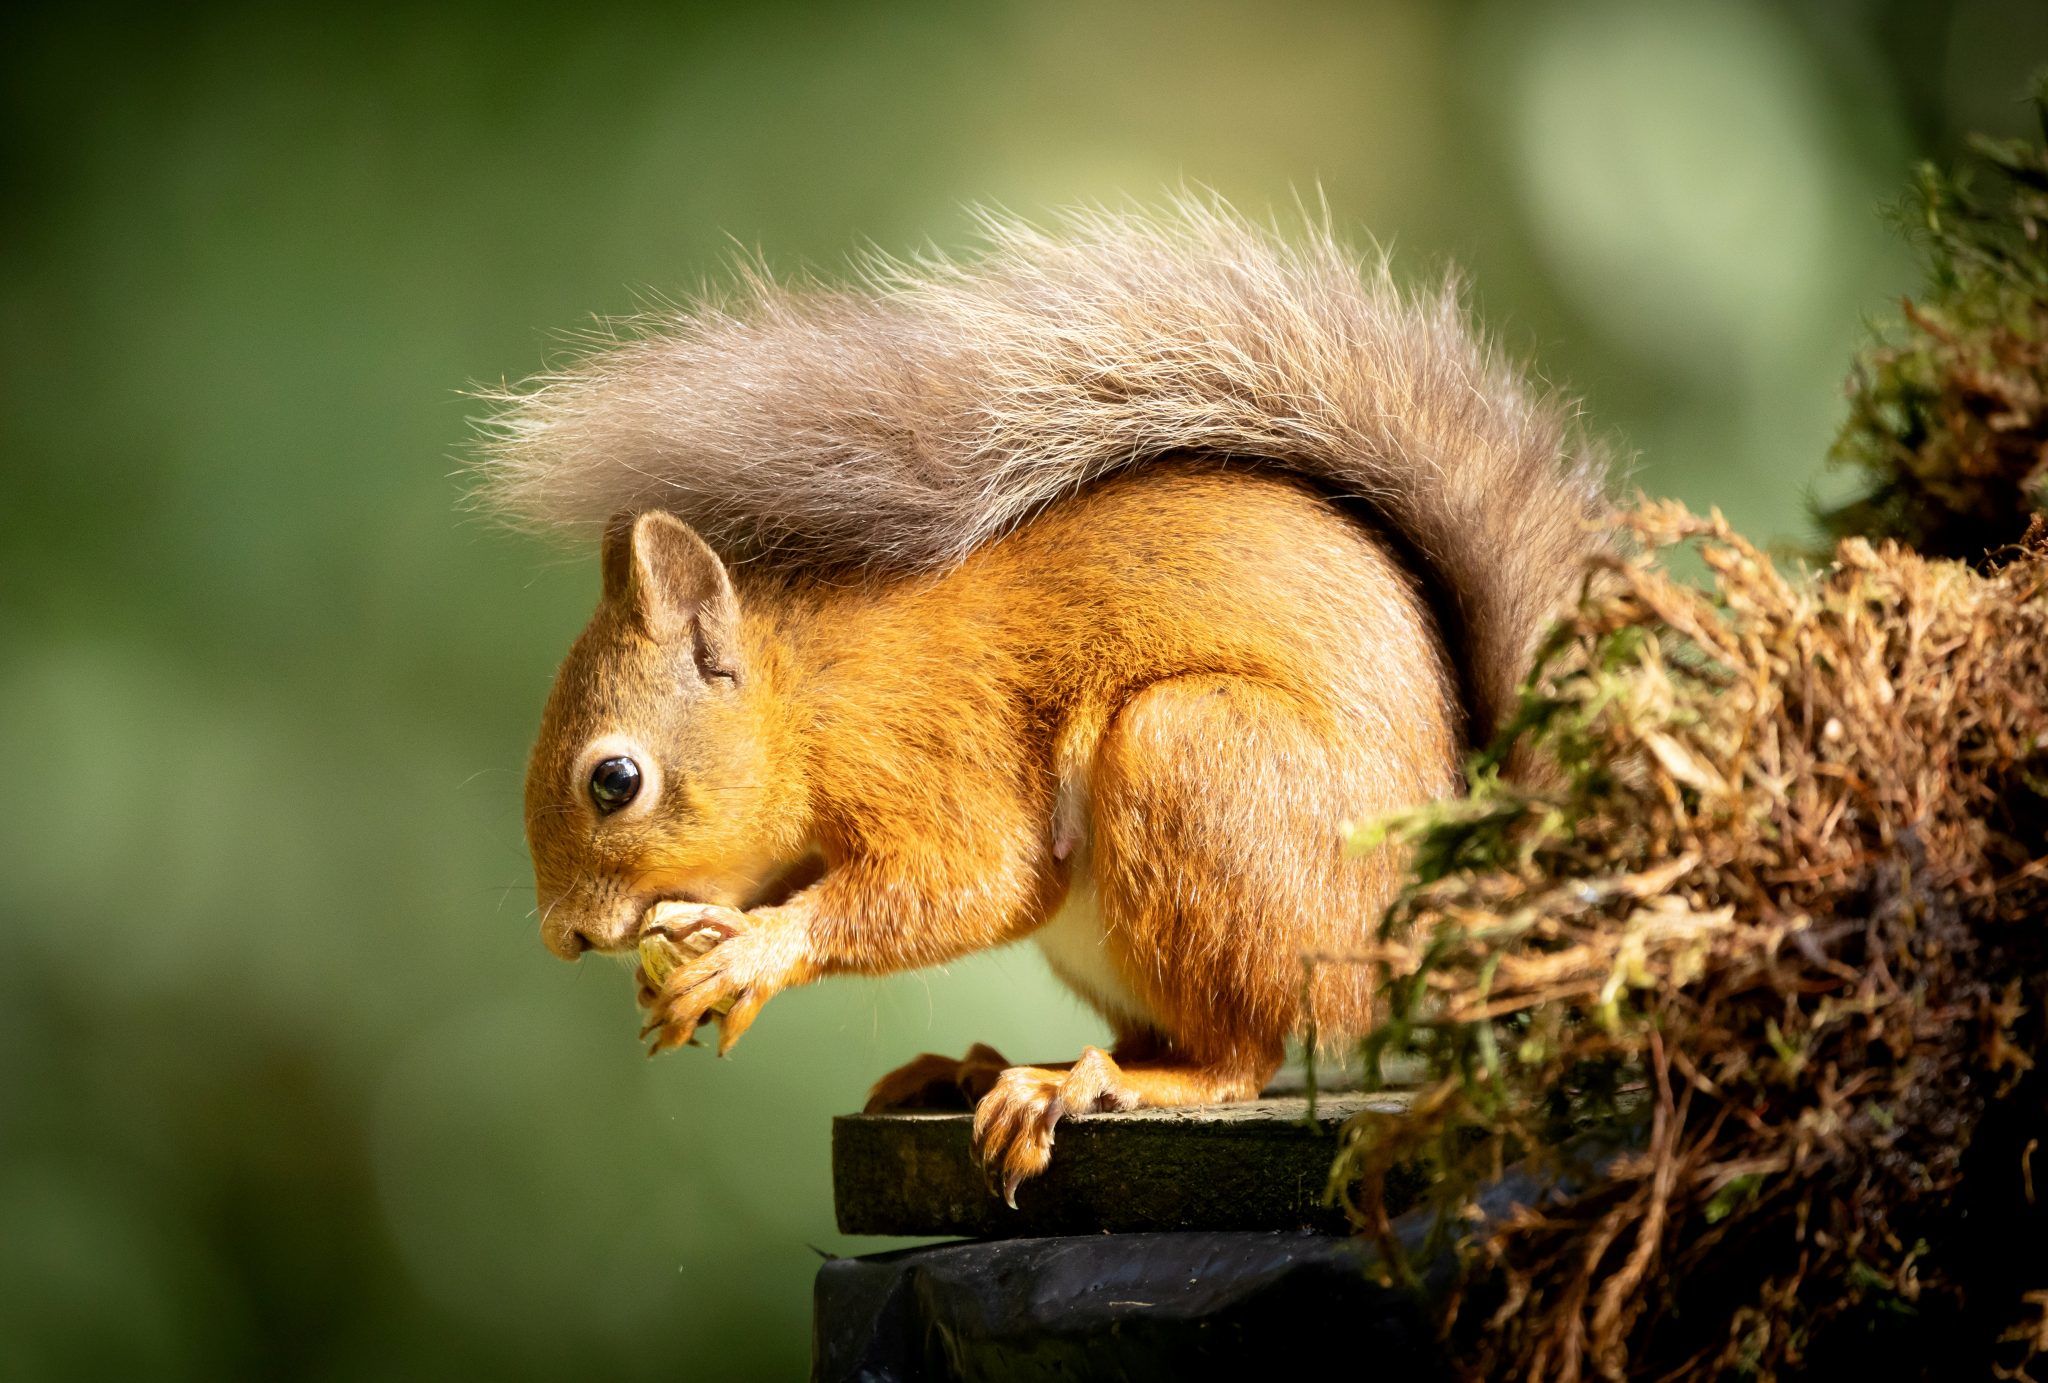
(288, 1087)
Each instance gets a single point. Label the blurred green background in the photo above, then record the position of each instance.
(288, 1087)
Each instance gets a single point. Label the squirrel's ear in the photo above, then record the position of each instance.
(673, 584)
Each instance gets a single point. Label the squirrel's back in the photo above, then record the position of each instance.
(906, 423)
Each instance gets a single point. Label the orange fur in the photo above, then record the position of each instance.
(1229, 664)
(1079, 591)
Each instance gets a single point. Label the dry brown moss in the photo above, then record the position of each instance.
(1777, 926)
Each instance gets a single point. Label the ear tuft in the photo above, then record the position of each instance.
(674, 586)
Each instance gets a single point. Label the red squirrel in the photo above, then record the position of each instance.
(1080, 592)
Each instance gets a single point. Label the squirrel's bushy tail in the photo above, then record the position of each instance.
(909, 419)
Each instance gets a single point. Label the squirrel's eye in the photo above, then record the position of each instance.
(614, 783)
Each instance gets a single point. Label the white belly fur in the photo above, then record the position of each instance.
(1073, 944)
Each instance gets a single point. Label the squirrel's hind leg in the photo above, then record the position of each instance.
(1219, 861)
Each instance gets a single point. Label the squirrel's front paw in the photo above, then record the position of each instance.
(752, 957)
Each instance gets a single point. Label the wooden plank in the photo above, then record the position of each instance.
(1259, 1165)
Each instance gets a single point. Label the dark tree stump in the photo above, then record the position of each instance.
(1129, 1307)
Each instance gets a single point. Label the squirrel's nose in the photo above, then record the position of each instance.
(565, 941)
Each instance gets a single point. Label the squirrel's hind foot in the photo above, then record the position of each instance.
(939, 1082)
(1014, 1122)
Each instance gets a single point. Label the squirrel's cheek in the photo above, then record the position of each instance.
(673, 880)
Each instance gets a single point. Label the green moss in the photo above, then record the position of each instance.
(1948, 417)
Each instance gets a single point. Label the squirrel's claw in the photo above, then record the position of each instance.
(739, 1017)
(1014, 1122)
(1013, 1127)
(689, 999)
(668, 1034)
